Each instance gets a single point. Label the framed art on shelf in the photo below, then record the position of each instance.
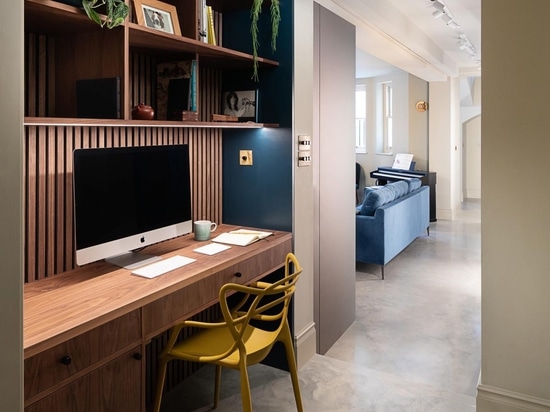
(242, 104)
(157, 15)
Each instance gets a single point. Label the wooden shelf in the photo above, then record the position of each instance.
(52, 17)
(60, 121)
(158, 42)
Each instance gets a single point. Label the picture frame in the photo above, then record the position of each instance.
(157, 15)
(242, 104)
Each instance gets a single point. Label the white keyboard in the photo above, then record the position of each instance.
(162, 266)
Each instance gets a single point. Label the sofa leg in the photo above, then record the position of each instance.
(382, 269)
(428, 230)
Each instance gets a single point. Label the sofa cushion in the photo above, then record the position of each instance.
(401, 188)
(414, 184)
(376, 198)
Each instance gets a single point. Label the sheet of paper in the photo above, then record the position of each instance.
(402, 161)
(211, 249)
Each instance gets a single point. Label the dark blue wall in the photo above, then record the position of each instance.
(260, 195)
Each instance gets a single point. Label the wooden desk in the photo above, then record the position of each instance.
(85, 330)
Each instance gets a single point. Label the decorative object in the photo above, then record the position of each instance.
(275, 20)
(157, 15)
(241, 104)
(143, 112)
(98, 98)
(174, 86)
(223, 118)
(117, 11)
(421, 106)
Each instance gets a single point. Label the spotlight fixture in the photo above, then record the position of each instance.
(443, 12)
(438, 6)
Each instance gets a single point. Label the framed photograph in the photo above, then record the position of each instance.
(242, 104)
(157, 15)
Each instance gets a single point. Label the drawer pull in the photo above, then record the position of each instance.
(238, 274)
(66, 360)
(137, 356)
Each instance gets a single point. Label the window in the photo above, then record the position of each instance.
(387, 126)
(360, 118)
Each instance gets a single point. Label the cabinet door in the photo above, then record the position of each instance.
(114, 387)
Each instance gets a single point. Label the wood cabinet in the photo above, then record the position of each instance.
(87, 332)
(64, 46)
(85, 368)
(115, 386)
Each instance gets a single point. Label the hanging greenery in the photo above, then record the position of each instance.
(275, 20)
(117, 11)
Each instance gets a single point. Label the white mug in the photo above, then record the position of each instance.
(203, 228)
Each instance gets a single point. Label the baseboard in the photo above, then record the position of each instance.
(444, 214)
(306, 344)
(491, 399)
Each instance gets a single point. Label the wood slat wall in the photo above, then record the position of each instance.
(49, 234)
(49, 231)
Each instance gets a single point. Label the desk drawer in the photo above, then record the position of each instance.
(68, 358)
(182, 304)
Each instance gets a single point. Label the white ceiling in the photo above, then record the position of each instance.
(404, 34)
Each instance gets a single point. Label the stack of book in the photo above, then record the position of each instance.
(209, 24)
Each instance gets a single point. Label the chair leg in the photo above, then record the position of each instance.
(160, 384)
(245, 387)
(382, 269)
(286, 338)
(218, 380)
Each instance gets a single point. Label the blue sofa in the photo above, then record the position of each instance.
(389, 219)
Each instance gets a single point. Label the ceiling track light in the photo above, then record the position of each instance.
(438, 5)
(443, 12)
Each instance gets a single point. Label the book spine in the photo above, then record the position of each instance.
(211, 31)
(204, 22)
(193, 88)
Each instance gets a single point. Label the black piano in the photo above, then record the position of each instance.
(383, 175)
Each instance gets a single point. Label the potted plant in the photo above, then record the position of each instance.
(275, 20)
(116, 12)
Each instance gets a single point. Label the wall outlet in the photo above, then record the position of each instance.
(245, 157)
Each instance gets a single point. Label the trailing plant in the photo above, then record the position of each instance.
(117, 11)
(275, 20)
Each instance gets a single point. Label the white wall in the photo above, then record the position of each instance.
(418, 122)
(303, 223)
(445, 146)
(471, 138)
(515, 235)
(11, 206)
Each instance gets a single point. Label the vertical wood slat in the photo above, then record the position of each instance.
(49, 241)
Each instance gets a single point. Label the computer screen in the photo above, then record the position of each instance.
(126, 198)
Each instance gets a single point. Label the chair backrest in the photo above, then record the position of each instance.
(357, 174)
(266, 302)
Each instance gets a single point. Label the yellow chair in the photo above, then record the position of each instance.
(236, 343)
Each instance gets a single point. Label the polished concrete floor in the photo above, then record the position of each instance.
(414, 346)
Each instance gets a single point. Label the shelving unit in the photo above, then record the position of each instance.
(75, 48)
(57, 121)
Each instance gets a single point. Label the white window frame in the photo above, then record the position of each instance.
(360, 118)
(387, 117)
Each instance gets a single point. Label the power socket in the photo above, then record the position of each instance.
(245, 157)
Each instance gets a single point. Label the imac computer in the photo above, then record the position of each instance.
(126, 198)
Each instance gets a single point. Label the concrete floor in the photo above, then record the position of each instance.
(415, 344)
